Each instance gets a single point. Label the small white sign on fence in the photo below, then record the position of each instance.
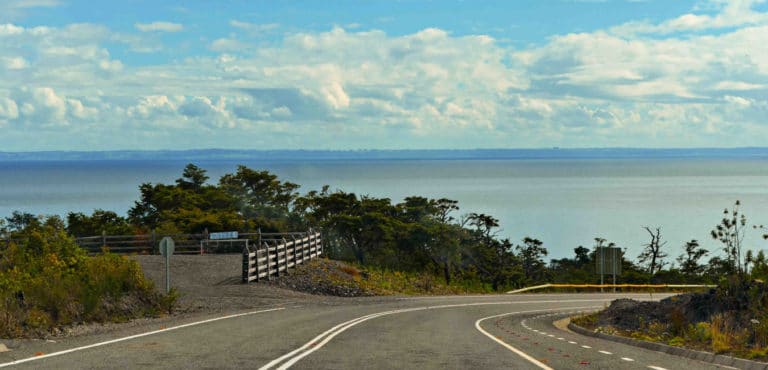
(223, 235)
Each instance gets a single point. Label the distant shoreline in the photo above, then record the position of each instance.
(410, 154)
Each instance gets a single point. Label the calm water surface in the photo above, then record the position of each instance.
(565, 203)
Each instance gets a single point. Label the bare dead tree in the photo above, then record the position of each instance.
(652, 253)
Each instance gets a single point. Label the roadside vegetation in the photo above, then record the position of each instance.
(729, 319)
(48, 282)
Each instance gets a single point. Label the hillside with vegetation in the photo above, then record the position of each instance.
(48, 282)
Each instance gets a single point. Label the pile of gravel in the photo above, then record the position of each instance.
(324, 277)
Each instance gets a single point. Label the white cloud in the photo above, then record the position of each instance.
(14, 9)
(730, 13)
(227, 44)
(14, 62)
(253, 27)
(159, 27)
(8, 110)
(10, 29)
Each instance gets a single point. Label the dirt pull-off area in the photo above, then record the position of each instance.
(213, 283)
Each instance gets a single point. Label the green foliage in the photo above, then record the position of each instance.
(47, 281)
(689, 261)
(100, 221)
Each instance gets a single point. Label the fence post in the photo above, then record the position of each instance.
(294, 251)
(256, 252)
(246, 265)
(153, 247)
(269, 265)
(103, 238)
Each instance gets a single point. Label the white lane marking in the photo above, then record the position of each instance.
(319, 341)
(551, 335)
(572, 342)
(586, 347)
(518, 352)
(627, 359)
(506, 345)
(16, 362)
(560, 338)
(656, 367)
(605, 352)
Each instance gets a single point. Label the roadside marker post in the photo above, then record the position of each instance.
(166, 249)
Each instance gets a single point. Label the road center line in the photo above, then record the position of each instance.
(605, 352)
(16, 362)
(627, 359)
(506, 345)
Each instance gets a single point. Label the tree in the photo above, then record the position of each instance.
(193, 178)
(20, 220)
(79, 224)
(531, 255)
(730, 232)
(689, 261)
(579, 269)
(260, 193)
(760, 266)
(652, 253)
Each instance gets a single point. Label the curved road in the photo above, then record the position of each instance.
(425, 333)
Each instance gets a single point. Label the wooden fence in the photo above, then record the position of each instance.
(141, 243)
(274, 254)
(184, 243)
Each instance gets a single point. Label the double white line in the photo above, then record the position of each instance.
(289, 359)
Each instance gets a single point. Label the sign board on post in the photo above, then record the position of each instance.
(608, 260)
(608, 263)
(223, 235)
(166, 246)
(166, 249)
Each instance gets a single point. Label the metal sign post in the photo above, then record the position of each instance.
(166, 249)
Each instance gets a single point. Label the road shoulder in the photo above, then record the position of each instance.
(677, 351)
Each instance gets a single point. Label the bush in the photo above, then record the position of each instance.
(48, 281)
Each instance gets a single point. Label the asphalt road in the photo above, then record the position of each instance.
(487, 332)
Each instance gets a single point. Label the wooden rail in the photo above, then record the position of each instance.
(274, 256)
(140, 244)
(184, 243)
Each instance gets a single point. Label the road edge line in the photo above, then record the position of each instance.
(99, 344)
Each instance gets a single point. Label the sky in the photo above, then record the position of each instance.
(136, 74)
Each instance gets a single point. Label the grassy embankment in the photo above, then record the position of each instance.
(47, 282)
(330, 277)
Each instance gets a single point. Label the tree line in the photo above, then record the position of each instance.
(416, 234)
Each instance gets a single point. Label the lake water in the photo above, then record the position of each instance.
(563, 202)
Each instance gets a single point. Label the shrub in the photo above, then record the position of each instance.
(47, 280)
